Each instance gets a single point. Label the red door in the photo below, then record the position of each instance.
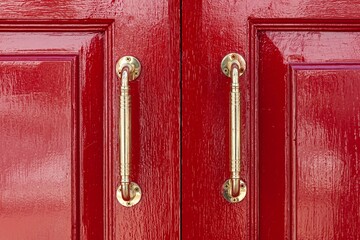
(300, 119)
(299, 115)
(59, 110)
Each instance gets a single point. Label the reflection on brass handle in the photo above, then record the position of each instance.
(234, 189)
(128, 193)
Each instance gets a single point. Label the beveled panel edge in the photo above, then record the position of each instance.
(301, 24)
(81, 25)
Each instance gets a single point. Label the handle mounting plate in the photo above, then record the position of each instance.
(226, 191)
(132, 63)
(229, 60)
(135, 195)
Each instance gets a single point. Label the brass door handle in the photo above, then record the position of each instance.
(234, 189)
(128, 193)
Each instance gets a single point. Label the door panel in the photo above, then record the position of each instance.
(60, 105)
(309, 123)
(326, 192)
(300, 119)
(50, 170)
(36, 147)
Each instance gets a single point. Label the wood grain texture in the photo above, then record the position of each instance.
(326, 195)
(296, 31)
(300, 117)
(151, 33)
(309, 135)
(36, 182)
(155, 121)
(45, 108)
(206, 39)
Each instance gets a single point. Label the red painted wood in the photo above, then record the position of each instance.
(155, 121)
(206, 39)
(300, 119)
(47, 112)
(36, 167)
(319, 127)
(59, 111)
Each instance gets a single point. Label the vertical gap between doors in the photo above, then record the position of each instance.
(181, 117)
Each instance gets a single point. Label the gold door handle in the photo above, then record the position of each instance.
(128, 193)
(234, 189)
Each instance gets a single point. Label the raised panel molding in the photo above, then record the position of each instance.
(256, 28)
(88, 46)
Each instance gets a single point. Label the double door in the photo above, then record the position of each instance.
(297, 113)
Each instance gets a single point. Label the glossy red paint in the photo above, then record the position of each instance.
(59, 101)
(300, 119)
(47, 110)
(315, 135)
(59, 108)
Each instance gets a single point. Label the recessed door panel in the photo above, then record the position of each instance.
(309, 132)
(38, 165)
(325, 162)
(52, 137)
